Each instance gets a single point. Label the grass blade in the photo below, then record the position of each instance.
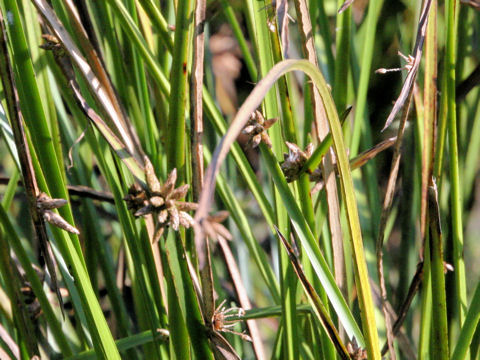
(318, 306)
(439, 301)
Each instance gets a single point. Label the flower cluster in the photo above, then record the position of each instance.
(45, 205)
(221, 320)
(162, 201)
(295, 160)
(355, 351)
(256, 130)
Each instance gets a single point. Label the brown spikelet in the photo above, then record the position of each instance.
(163, 201)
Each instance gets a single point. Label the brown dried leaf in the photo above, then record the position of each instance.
(226, 68)
(222, 349)
(222, 231)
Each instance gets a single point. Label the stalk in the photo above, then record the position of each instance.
(456, 192)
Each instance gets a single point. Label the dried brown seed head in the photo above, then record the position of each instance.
(136, 198)
(44, 202)
(266, 139)
(294, 160)
(163, 201)
(45, 205)
(447, 267)
(135, 189)
(256, 140)
(249, 129)
(256, 130)
(356, 352)
(408, 66)
(221, 320)
(58, 221)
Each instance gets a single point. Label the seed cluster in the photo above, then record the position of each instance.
(162, 201)
(256, 130)
(294, 160)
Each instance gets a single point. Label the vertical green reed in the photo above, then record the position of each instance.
(456, 194)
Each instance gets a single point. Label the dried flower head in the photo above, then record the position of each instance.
(44, 202)
(135, 197)
(45, 205)
(213, 227)
(294, 160)
(408, 66)
(221, 322)
(162, 201)
(356, 352)
(256, 130)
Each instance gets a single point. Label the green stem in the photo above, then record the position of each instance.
(455, 194)
(366, 65)
(439, 300)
